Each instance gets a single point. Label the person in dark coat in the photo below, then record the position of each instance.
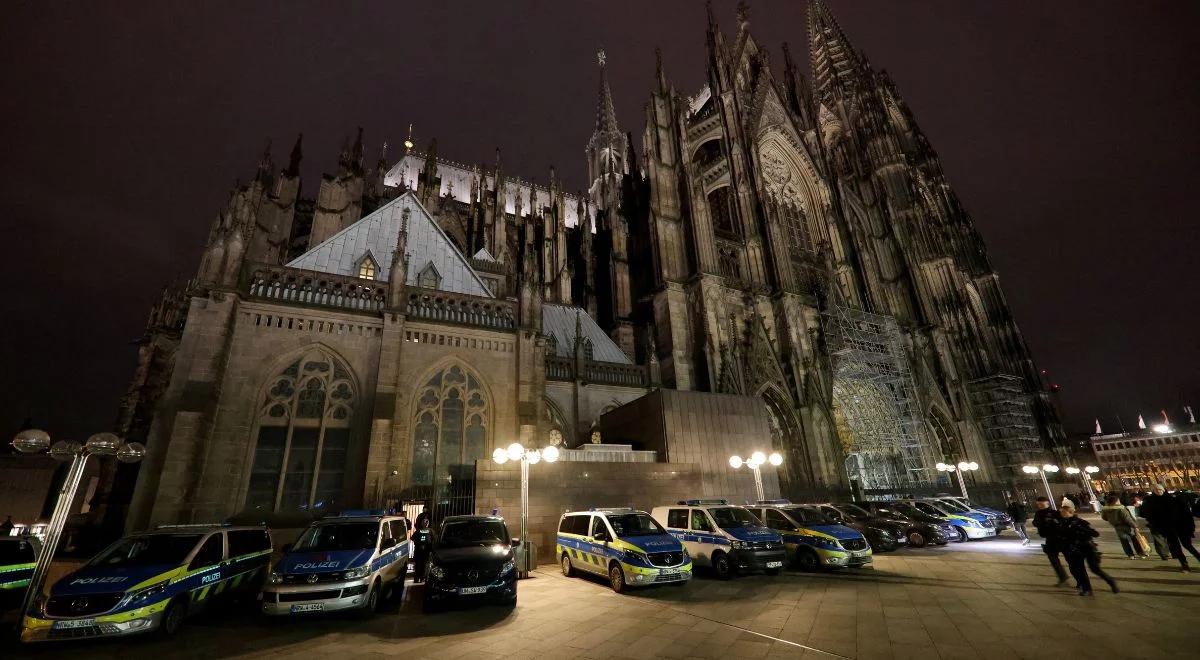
(422, 539)
(1079, 547)
(1019, 514)
(1171, 523)
(1049, 526)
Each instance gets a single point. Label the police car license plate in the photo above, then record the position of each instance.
(668, 571)
(774, 564)
(472, 590)
(308, 607)
(74, 623)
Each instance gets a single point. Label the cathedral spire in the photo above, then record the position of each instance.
(293, 169)
(606, 148)
(836, 65)
(606, 114)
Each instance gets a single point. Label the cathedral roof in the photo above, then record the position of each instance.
(377, 233)
(559, 321)
(456, 182)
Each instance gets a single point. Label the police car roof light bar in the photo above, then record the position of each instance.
(774, 502)
(703, 502)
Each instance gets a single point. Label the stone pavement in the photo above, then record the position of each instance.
(979, 600)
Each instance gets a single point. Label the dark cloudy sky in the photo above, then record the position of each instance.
(1068, 128)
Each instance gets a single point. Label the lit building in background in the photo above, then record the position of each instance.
(1165, 453)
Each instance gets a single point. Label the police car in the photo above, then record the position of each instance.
(812, 539)
(152, 581)
(342, 562)
(625, 545)
(18, 557)
(1001, 519)
(969, 525)
(726, 538)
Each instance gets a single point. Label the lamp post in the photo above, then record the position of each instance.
(527, 457)
(1087, 483)
(755, 463)
(36, 441)
(1033, 469)
(963, 466)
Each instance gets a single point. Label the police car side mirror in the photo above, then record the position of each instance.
(601, 536)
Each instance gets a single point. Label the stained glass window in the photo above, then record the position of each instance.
(450, 425)
(367, 268)
(303, 437)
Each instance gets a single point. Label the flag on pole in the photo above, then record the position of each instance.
(1141, 422)
(1165, 420)
(1191, 417)
(1098, 431)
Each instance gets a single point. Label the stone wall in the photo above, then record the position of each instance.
(701, 429)
(572, 486)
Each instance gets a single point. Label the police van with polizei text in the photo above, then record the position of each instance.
(18, 557)
(344, 562)
(151, 581)
(812, 539)
(723, 537)
(625, 545)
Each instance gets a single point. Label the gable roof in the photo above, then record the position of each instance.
(377, 233)
(559, 322)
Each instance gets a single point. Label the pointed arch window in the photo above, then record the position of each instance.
(722, 208)
(450, 425)
(303, 437)
(429, 277)
(367, 268)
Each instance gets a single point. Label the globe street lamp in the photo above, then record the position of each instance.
(1033, 469)
(754, 463)
(1087, 483)
(527, 457)
(963, 466)
(36, 441)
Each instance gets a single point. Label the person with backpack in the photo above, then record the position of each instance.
(1049, 526)
(1079, 546)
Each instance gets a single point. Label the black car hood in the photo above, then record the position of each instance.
(472, 555)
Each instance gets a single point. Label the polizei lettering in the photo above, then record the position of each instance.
(99, 580)
(316, 564)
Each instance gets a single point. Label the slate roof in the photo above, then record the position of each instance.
(559, 322)
(376, 234)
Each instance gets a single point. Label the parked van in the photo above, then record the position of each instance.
(722, 536)
(627, 546)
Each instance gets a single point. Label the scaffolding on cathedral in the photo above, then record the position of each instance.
(879, 418)
(1003, 409)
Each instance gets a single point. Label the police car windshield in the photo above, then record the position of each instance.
(148, 550)
(634, 524)
(466, 533)
(952, 506)
(853, 510)
(915, 513)
(728, 517)
(16, 552)
(338, 536)
(930, 508)
(808, 516)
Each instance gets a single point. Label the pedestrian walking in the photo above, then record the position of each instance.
(422, 541)
(6, 527)
(1049, 526)
(1019, 514)
(1079, 546)
(1123, 522)
(1144, 512)
(1172, 524)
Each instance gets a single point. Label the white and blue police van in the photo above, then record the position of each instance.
(724, 537)
(343, 562)
(625, 545)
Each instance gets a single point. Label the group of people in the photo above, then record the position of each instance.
(1068, 535)
(1169, 518)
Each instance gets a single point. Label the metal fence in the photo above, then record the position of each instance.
(451, 495)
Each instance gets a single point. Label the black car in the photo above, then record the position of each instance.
(472, 559)
(883, 535)
(920, 528)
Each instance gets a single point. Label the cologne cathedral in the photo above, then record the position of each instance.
(781, 236)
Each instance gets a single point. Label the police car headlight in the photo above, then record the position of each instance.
(142, 595)
(436, 572)
(356, 573)
(274, 578)
(637, 556)
(739, 545)
(508, 567)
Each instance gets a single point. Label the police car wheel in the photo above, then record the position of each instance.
(962, 534)
(807, 560)
(172, 619)
(722, 566)
(567, 569)
(916, 539)
(616, 578)
(372, 602)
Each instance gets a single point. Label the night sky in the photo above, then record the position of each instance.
(1069, 129)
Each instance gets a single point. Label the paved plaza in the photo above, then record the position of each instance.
(986, 599)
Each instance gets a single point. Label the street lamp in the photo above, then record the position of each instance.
(36, 441)
(754, 463)
(516, 452)
(963, 466)
(1087, 483)
(1033, 469)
